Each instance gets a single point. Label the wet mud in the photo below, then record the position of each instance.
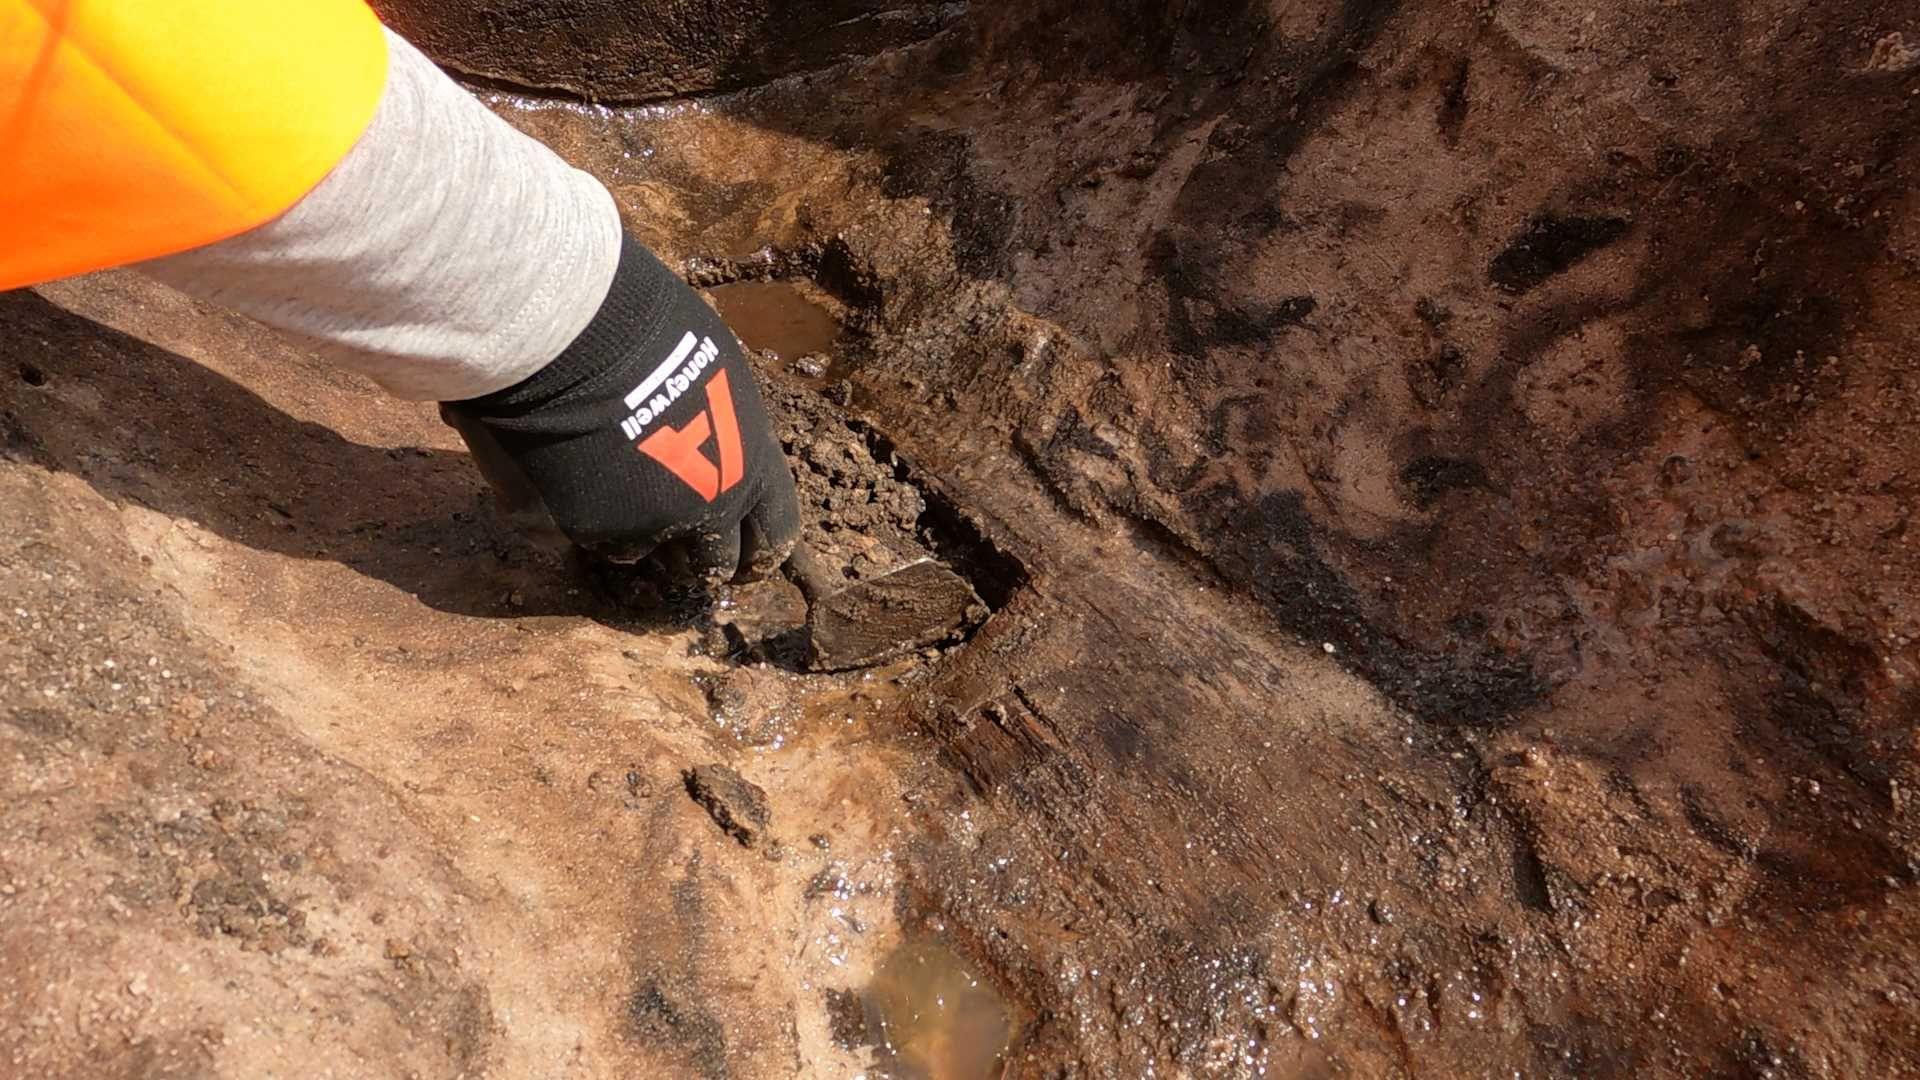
(1440, 476)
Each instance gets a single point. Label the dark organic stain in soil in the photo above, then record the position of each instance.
(1453, 107)
(847, 1019)
(1428, 478)
(41, 722)
(1549, 245)
(1246, 326)
(935, 164)
(15, 440)
(655, 1017)
(1270, 547)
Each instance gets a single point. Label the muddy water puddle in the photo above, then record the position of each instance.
(778, 317)
(930, 1017)
(908, 1003)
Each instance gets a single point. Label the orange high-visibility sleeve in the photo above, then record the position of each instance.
(131, 129)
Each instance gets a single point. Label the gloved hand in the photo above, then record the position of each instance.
(646, 436)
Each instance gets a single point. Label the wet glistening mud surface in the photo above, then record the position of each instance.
(1441, 477)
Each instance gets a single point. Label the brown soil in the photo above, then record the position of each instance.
(314, 766)
(1442, 476)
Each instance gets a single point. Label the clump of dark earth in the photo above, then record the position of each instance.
(862, 513)
(858, 510)
(1430, 477)
(847, 1019)
(737, 805)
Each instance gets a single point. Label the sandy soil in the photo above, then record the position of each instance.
(316, 770)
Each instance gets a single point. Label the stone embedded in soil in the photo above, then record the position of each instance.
(735, 803)
(1891, 54)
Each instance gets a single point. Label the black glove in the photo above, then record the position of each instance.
(647, 436)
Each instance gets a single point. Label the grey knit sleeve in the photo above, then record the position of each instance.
(447, 255)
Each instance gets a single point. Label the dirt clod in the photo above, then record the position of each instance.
(1892, 54)
(865, 514)
(737, 805)
(847, 1018)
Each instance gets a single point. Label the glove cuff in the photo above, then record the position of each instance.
(592, 366)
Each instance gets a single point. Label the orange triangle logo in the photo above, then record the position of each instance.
(679, 449)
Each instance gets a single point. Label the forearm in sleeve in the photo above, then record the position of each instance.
(447, 256)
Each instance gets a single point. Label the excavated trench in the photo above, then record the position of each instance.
(1441, 476)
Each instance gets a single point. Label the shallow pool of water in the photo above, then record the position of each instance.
(777, 316)
(931, 1018)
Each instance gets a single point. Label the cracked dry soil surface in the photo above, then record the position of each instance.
(1442, 475)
